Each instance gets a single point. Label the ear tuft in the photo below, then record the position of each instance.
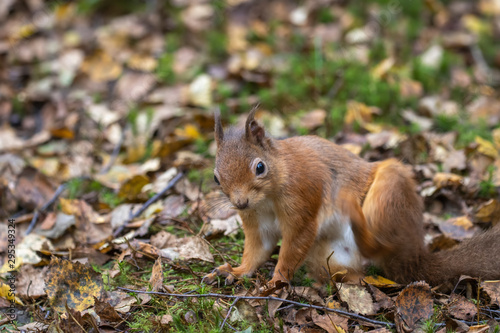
(219, 132)
(253, 131)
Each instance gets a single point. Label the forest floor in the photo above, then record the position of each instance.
(105, 105)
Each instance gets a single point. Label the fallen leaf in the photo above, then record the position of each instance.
(72, 284)
(461, 308)
(63, 223)
(229, 226)
(200, 91)
(486, 147)
(442, 179)
(106, 312)
(492, 288)
(156, 280)
(379, 281)
(488, 212)
(458, 228)
(330, 322)
(413, 305)
(131, 189)
(357, 297)
(31, 281)
(383, 67)
(313, 119)
(9, 293)
(101, 67)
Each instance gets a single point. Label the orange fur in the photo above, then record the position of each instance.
(319, 198)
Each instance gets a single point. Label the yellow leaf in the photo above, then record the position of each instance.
(142, 62)
(359, 112)
(72, 283)
(443, 179)
(131, 189)
(464, 222)
(489, 212)
(64, 12)
(189, 132)
(101, 67)
(475, 24)
(5, 292)
(68, 206)
(7, 268)
(486, 147)
(496, 137)
(383, 67)
(378, 281)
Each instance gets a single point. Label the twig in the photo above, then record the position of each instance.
(267, 298)
(59, 190)
(229, 312)
(149, 202)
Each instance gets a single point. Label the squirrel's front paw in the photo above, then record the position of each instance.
(224, 271)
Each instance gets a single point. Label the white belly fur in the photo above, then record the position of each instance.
(337, 230)
(268, 226)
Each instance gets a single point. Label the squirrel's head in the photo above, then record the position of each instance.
(244, 164)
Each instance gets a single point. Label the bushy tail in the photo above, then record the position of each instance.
(477, 257)
(388, 229)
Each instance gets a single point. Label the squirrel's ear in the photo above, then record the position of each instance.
(219, 132)
(253, 131)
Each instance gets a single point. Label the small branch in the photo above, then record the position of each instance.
(229, 312)
(149, 202)
(59, 190)
(266, 298)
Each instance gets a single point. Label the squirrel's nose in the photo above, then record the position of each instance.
(240, 204)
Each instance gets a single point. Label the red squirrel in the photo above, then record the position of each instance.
(320, 198)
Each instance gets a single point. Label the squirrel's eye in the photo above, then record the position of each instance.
(216, 180)
(260, 168)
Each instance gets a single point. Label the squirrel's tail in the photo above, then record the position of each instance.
(388, 229)
(478, 256)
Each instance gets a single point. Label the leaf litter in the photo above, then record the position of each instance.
(113, 101)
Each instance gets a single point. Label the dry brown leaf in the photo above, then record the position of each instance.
(273, 305)
(357, 298)
(382, 301)
(243, 311)
(188, 248)
(72, 284)
(313, 119)
(492, 288)
(33, 189)
(330, 322)
(229, 226)
(173, 206)
(106, 312)
(413, 305)
(156, 280)
(80, 209)
(63, 222)
(101, 67)
(163, 240)
(461, 308)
